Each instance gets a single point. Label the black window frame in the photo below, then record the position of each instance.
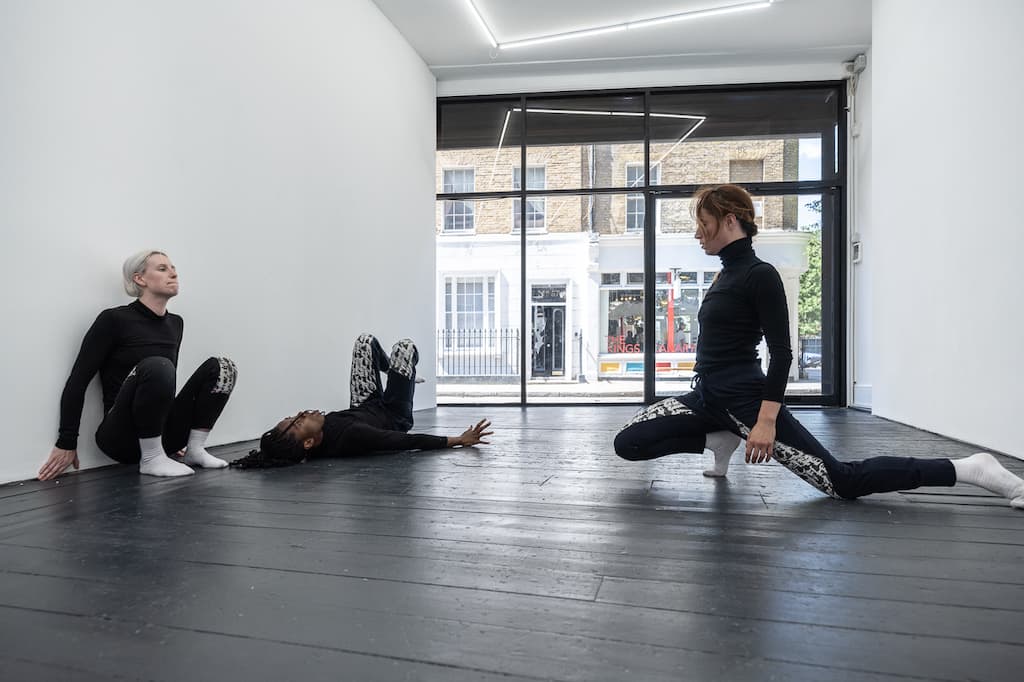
(832, 186)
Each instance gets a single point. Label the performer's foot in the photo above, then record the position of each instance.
(154, 462)
(196, 454)
(164, 466)
(404, 357)
(721, 444)
(985, 471)
(201, 458)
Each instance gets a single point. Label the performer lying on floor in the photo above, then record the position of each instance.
(376, 420)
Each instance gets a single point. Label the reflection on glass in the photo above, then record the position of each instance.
(586, 142)
(625, 315)
(750, 137)
(480, 141)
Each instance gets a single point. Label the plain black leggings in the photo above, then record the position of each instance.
(146, 406)
(730, 400)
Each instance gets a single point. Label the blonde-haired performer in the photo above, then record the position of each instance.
(135, 350)
(734, 400)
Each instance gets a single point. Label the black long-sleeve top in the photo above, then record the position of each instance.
(116, 342)
(368, 428)
(746, 301)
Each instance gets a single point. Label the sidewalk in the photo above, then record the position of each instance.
(601, 391)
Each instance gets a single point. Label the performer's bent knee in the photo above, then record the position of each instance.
(223, 371)
(156, 369)
(626, 447)
(364, 339)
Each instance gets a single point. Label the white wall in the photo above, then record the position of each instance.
(861, 228)
(281, 152)
(946, 233)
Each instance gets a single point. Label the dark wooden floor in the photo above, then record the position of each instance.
(542, 556)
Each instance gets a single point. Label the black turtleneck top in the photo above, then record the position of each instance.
(116, 342)
(368, 428)
(746, 301)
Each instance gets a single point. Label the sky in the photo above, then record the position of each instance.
(809, 169)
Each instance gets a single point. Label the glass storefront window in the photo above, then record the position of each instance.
(576, 211)
(624, 314)
(676, 319)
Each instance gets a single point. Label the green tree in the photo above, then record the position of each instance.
(809, 311)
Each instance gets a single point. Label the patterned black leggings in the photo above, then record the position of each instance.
(681, 424)
(368, 361)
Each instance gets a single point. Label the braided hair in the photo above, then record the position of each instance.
(277, 449)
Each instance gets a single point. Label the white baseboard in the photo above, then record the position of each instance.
(861, 396)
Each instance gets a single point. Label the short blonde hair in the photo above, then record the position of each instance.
(136, 265)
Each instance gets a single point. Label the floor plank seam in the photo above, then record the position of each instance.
(553, 515)
(827, 572)
(845, 628)
(713, 652)
(304, 645)
(706, 539)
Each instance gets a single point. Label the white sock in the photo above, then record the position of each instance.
(721, 444)
(196, 454)
(985, 471)
(155, 462)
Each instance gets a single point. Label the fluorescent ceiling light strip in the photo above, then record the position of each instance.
(585, 33)
(501, 141)
(689, 116)
(583, 112)
(681, 139)
(677, 143)
(692, 117)
(697, 14)
(483, 24)
(642, 23)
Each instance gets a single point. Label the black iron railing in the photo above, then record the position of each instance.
(478, 352)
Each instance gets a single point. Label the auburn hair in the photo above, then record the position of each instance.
(721, 200)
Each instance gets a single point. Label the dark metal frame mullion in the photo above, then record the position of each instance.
(650, 317)
(524, 303)
(838, 255)
(660, 90)
(830, 335)
(767, 188)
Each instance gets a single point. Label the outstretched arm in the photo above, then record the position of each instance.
(472, 435)
(366, 438)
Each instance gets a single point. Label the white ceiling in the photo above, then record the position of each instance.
(448, 38)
